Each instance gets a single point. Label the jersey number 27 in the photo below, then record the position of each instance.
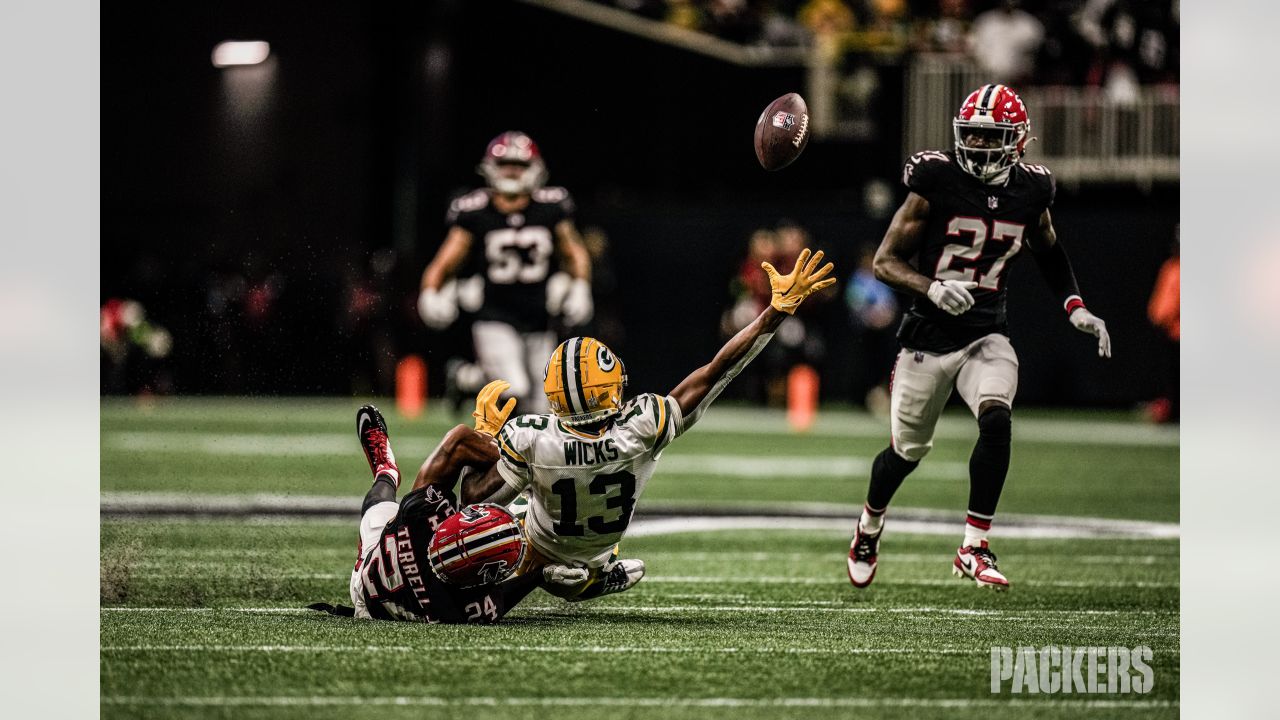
(1000, 231)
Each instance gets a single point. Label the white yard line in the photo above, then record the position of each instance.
(720, 580)
(1028, 613)
(655, 702)
(815, 516)
(591, 649)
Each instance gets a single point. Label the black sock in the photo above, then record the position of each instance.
(383, 490)
(888, 471)
(989, 462)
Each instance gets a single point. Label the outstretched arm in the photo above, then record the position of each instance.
(1055, 266)
(701, 388)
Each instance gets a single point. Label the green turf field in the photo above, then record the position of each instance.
(201, 616)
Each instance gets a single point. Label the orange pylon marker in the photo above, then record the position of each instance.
(411, 386)
(802, 397)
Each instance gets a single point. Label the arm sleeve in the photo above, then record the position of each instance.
(513, 448)
(1055, 266)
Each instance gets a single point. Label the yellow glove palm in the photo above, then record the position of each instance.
(806, 279)
(489, 417)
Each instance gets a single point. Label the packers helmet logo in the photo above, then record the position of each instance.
(605, 359)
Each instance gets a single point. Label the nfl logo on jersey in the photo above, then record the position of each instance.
(992, 201)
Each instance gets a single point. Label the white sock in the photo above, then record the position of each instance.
(973, 536)
(872, 524)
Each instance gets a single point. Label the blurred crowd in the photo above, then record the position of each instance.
(868, 320)
(1076, 42)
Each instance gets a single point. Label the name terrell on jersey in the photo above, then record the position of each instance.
(975, 232)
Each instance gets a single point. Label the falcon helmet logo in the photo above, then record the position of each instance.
(473, 514)
(783, 120)
(494, 572)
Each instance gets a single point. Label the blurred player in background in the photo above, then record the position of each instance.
(518, 231)
(585, 464)
(969, 213)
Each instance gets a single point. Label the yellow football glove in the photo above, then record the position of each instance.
(489, 417)
(806, 279)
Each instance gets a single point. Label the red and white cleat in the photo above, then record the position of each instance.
(372, 431)
(863, 552)
(978, 563)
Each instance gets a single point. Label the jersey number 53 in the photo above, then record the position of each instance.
(518, 255)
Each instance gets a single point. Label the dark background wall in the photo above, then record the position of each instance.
(288, 178)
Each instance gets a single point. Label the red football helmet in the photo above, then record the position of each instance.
(513, 148)
(992, 130)
(480, 545)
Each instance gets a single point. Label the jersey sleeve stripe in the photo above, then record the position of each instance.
(512, 456)
(663, 416)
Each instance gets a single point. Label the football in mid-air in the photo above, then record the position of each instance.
(782, 132)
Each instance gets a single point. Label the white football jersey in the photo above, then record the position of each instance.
(583, 488)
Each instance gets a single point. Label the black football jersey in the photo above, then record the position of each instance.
(975, 232)
(514, 252)
(397, 577)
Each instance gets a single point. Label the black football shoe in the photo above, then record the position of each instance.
(371, 428)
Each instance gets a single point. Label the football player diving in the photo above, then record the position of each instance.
(969, 214)
(510, 232)
(422, 559)
(584, 465)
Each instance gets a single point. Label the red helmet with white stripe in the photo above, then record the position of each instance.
(480, 545)
(991, 132)
(512, 164)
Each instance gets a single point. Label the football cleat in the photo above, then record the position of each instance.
(371, 428)
(978, 563)
(615, 577)
(863, 551)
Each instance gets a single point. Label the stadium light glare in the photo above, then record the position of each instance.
(240, 52)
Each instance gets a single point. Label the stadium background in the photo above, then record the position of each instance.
(246, 207)
(243, 206)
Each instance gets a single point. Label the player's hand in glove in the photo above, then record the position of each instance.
(806, 279)
(437, 308)
(952, 295)
(564, 576)
(489, 417)
(1086, 321)
(577, 307)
